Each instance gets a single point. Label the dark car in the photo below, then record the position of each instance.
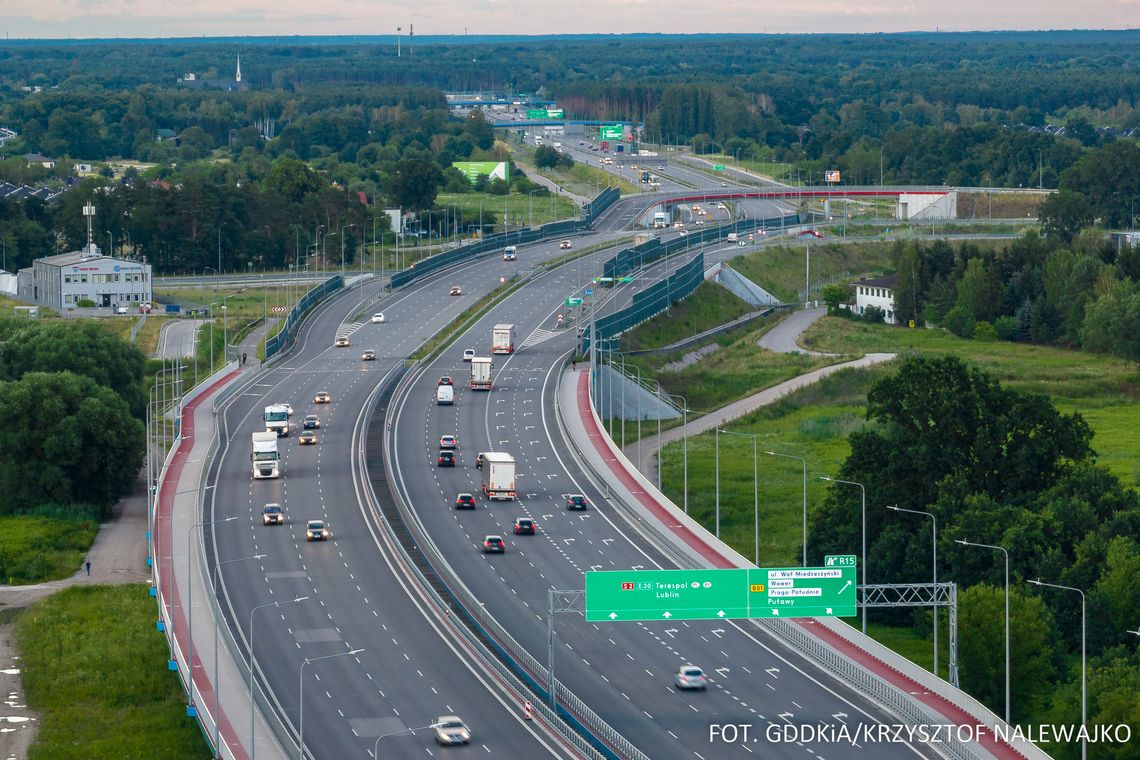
(465, 501)
(446, 459)
(524, 526)
(311, 422)
(272, 514)
(479, 461)
(494, 545)
(576, 501)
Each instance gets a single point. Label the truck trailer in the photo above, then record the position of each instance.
(277, 419)
(480, 374)
(265, 457)
(503, 339)
(498, 476)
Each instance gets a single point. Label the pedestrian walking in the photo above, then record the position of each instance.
(87, 564)
(574, 363)
(243, 357)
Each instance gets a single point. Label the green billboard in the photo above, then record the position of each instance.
(475, 169)
(765, 592)
(612, 133)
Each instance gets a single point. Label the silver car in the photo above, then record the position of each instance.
(690, 677)
(449, 729)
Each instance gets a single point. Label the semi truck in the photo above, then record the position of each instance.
(480, 374)
(503, 339)
(661, 219)
(265, 457)
(277, 419)
(498, 476)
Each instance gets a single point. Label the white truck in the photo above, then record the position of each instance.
(265, 457)
(498, 476)
(503, 339)
(277, 419)
(445, 394)
(480, 374)
(661, 219)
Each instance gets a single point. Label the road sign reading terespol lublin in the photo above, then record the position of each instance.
(765, 592)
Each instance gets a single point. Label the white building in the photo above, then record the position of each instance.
(62, 281)
(879, 291)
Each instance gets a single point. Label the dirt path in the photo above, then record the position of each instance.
(117, 556)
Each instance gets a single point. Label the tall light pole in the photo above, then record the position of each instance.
(530, 207)
(684, 444)
(217, 695)
(301, 696)
(1084, 671)
(755, 490)
(804, 462)
(376, 746)
(112, 241)
(863, 559)
(190, 598)
(252, 666)
(1006, 553)
(342, 229)
(935, 564)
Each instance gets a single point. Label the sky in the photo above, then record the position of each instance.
(77, 19)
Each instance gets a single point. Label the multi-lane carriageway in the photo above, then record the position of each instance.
(411, 671)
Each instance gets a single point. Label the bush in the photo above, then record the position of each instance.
(874, 315)
(985, 331)
(960, 321)
(85, 303)
(1006, 327)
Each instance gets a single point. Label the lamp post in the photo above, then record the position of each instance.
(804, 462)
(755, 489)
(863, 559)
(217, 695)
(376, 746)
(190, 598)
(301, 696)
(112, 241)
(342, 229)
(1084, 683)
(935, 564)
(252, 664)
(1006, 553)
(684, 445)
(529, 207)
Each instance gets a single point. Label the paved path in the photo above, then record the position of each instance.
(784, 337)
(177, 337)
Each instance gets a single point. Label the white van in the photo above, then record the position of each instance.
(445, 394)
(510, 253)
(732, 238)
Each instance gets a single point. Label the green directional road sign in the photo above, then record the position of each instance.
(573, 301)
(839, 560)
(536, 113)
(720, 594)
(611, 133)
(718, 167)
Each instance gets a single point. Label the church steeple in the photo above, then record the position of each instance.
(238, 77)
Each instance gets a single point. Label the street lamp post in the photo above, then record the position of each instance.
(376, 746)
(1084, 671)
(112, 241)
(804, 462)
(217, 691)
(301, 696)
(935, 564)
(252, 665)
(342, 229)
(190, 598)
(863, 559)
(755, 489)
(684, 445)
(1006, 553)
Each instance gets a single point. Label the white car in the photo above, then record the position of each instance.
(377, 318)
(468, 354)
(690, 677)
(449, 729)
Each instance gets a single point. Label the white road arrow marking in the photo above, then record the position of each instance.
(785, 716)
(840, 717)
(718, 632)
(774, 672)
(607, 541)
(672, 632)
(722, 672)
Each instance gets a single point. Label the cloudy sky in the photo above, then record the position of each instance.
(190, 18)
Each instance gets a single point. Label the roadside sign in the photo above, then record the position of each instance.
(605, 279)
(588, 291)
(831, 176)
(574, 301)
(613, 595)
(611, 132)
(627, 279)
(839, 560)
(536, 113)
(718, 167)
(279, 309)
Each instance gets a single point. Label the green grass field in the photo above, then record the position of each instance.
(94, 668)
(37, 548)
(529, 210)
(709, 306)
(781, 270)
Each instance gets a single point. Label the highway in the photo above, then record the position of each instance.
(357, 595)
(624, 671)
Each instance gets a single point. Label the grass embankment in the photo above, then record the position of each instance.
(94, 668)
(710, 305)
(37, 548)
(530, 210)
(781, 270)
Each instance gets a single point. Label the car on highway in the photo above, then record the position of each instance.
(468, 354)
(724, 184)
(272, 514)
(445, 380)
(812, 233)
(322, 397)
(510, 253)
(316, 530)
(494, 545)
(479, 461)
(342, 341)
(311, 422)
(368, 356)
(690, 677)
(682, 232)
(565, 244)
(307, 438)
(449, 729)
(465, 501)
(455, 291)
(524, 526)
(448, 442)
(445, 459)
(576, 501)
(377, 318)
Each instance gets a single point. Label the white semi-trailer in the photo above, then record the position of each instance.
(266, 459)
(498, 476)
(480, 374)
(503, 339)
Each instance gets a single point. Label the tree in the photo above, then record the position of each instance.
(1063, 214)
(980, 291)
(833, 295)
(414, 184)
(293, 179)
(981, 620)
(77, 440)
(545, 157)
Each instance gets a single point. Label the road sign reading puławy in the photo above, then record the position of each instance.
(766, 592)
(611, 132)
